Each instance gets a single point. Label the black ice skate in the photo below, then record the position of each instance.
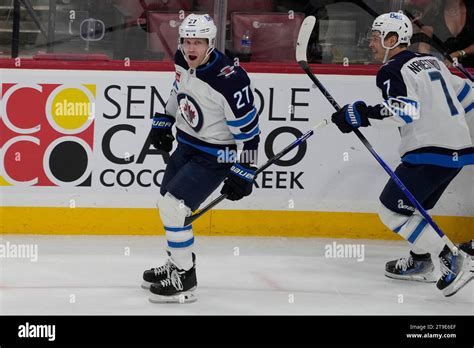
(178, 288)
(468, 247)
(414, 267)
(457, 270)
(155, 275)
(158, 274)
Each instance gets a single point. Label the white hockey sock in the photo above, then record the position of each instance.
(180, 242)
(416, 230)
(180, 238)
(417, 250)
(421, 235)
(182, 257)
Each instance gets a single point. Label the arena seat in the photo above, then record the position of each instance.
(237, 5)
(163, 33)
(136, 8)
(273, 35)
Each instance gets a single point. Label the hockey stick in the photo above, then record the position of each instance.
(272, 160)
(301, 46)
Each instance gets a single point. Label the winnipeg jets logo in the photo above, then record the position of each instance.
(190, 111)
(227, 71)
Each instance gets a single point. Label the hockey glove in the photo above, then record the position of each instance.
(239, 182)
(161, 136)
(351, 116)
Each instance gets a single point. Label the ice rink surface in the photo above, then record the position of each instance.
(101, 275)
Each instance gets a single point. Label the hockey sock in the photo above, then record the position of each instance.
(418, 251)
(182, 257)
(180, 238)
(416, 230)
(421, 235)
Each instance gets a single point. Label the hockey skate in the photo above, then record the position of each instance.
(457, 269)
(177, 288)
(414, 267)
(468, 248)
(158, 274)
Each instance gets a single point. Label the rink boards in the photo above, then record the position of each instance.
(97, 122)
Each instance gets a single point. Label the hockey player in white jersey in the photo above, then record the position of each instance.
(212, 106)
(430, 106)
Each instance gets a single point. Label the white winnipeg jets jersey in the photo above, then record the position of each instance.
(430, 105)
(213, 105)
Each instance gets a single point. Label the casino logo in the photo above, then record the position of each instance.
(46, 134)
(190, 111)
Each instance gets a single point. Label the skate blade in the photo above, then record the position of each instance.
(453, 290)
(427, 278)
(184, 297)
(465, 276)
(146, 285)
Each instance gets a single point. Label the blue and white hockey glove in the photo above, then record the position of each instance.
(239, 182)
(161, 136)
(351, 116)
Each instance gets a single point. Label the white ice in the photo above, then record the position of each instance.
(236, 275)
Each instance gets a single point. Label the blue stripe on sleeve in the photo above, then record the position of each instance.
(397, 112)
(464, 92)
(405, 117)
(245, 120)
(409, 101)
(244, 136)
(469, 108)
